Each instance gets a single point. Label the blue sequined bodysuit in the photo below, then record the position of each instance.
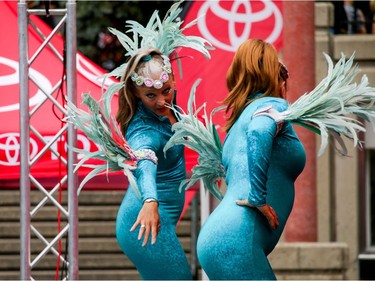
(260, 166)
(166, 259)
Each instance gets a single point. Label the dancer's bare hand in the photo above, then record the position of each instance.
(149, 221)
(266, 210)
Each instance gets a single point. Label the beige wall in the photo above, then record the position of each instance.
(335, 254)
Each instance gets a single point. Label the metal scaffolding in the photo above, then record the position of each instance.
(29, 259)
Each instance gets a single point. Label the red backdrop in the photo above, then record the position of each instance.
(224, 23)
(47, 69)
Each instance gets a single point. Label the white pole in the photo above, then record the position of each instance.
(25, 267)
(71, 49)
(205, 211)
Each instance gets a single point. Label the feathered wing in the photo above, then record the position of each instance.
(336, 105)
(101, 128)
(202, 138)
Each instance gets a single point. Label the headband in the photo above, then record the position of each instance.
(149, 82)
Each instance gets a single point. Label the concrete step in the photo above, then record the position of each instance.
(104, 261)
(120, 274)
(50, 213)
(87, 197)
(86, 261)
(85, 229)
(86, 245)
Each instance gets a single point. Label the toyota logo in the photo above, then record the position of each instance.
(247, 18)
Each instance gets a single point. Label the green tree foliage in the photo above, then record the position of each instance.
(94, 17)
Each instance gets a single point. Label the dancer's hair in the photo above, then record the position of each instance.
(255, 69)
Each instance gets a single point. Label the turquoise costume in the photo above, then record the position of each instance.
(165, 259)
(261, 165)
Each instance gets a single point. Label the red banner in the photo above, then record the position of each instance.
(45, 117)
(224, 23)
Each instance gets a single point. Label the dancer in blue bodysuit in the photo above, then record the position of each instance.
(261, 156)
(149, 87)
(145, 223)
(262, 160)
(149, 212)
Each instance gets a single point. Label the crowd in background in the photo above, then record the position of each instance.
(354, 17)
(93, 19)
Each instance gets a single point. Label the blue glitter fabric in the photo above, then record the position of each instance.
(260, 166)
(166, 259)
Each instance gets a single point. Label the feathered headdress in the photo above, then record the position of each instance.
(332, 108)
(164, 35)
(100, 127)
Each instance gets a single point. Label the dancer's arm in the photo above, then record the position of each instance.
(148, 218)
(261, 131)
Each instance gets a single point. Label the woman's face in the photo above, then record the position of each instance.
(157, 99)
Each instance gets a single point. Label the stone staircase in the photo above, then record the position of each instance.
(100, 258)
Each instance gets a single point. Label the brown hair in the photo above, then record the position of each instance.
(255, 69)
(127, 99)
